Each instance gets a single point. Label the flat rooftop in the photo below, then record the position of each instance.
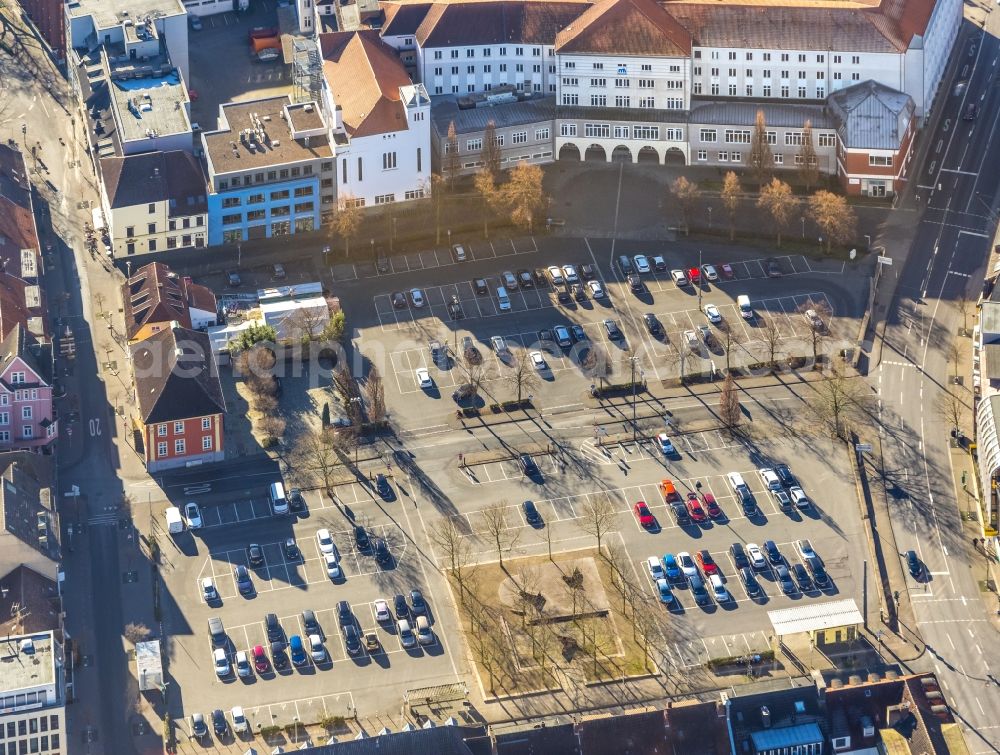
(258, 136)
(154, 104)
(21, 670)
(445, 110)
(108, 13)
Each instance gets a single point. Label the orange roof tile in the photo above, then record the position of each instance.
(626, 27)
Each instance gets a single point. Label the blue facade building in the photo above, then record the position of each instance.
(270, 170)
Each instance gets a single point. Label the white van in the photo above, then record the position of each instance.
(719, 591)
(743, 302)
(278, 500)
(175, 522)
(503, 299)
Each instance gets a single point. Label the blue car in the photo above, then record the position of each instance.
(671, 568)
(666, 595)
(297, 651)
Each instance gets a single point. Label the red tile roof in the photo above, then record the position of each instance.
(625, 27)
(448, 24)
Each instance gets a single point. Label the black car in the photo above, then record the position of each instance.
(295, 500)
(625, 265)
(802, 577)
(479, 284)
(361, 537)
(398, 300)
(578, 333)
(785, 475)
(234, 280)
(820, 578)
(279, 659)
(784, 579)
(545, 335)
(219, 723)
(417, 602)
(739, 555)
(531, 515)
(635, 283)
(750, 582)
(772, 552)
(578, 292)
(747, 501)
(563, 294)
(525, 279)
(274, 631)
(382, 554)
(914, 565)
(400, 607)
(528, 465)
(383, 487)
(773, 268)
(352, 639)
(310, 623)
(344, 614)
(292, 552)
(587, 272)
(255, 554)
(653, 325)
(614, 332)
(541, 279)
(680, 512)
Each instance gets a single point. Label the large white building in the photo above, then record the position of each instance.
(381, 120)
(32, 695)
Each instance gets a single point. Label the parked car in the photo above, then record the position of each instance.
(310, 622)
(332, 563)
(556, 275)
(756, 556)
(687, 563)
(666, 445)
(255, 555)
(655, 568)
(400, 606)
(324, 540)
(480, 286)
(425, 635)
(641, 263)
(659, 263)
(913, 564)
(406, 636)
(352, 639)
(569, 272)
(578, 333)
(243, 582)
(671, 568)
(726, 271)
(664, 591)
(596, 289)
(221, 660)
(243, 667)
(525, 279)
(260, 662)
(698, 590)
(653, 324)
(316, 649)
(784, 579)
(709, 272)
(199, 729)
(750, 583)
(679, 277)
(802, 577)
(278, 657)
(773, 554)
(785, 475)
(423, 377)
(538, 361)
(273, 628)
(383, 487)
(719, 591)
(820, 578)
(740, 559)
(770, 479)
(713, 314)
(297, 651)
(694, 507)
(799, 498)
(706, 562)
(773, 268)
(361, 538)
(219, 723)
(417, 298)
(192, 515)
(208, 592)
(613, 331)
(587, 272)
(531, 515)
(562, 336)
(711, 505)
(643, 514)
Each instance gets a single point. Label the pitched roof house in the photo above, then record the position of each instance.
(154, 296)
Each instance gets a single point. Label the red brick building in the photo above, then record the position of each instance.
(179, 398)
(49, 18)
(874, 139)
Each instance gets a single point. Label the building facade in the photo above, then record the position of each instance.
(33, 695)
(179, 421)
(27, 416)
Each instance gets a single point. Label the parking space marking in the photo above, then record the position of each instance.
(498, 471)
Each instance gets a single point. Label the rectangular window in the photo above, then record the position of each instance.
(646, 132)
(541, 134)
(179, 446)
(597, 130)
(498, 140)
(623, 83)
(437, 55)
(793, 138)
(771, 137)
(206, 423)
(767, 90)
(784, 91)
(178, 428)
(779, 159)
(737, 136)
(414, 194)
(598, 82)
(622, 132)
(732, 90)
(674, 134)
(470, 69)
(567, 129)
(702, 155)
(519, 137)
(152, 245)
(206, 443)
(708, 135)
(647, 83)
(649, 102)
(570, 99)
(827, 140)
(27, 431)
(474, 145)
(388, 161)
(802, 93)
(881, 161)
(161, 449)
(855, 60)
(622, 101)
(25, 412)
(385, 198)
(598, 100)
(151, 208)
(4, 418)
(277, 196)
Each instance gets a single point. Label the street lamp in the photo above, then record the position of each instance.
(239, 255)
(633, 360)
(803, 226)
(699, 274)
(868, 240)
(710, 219)
(878, 636)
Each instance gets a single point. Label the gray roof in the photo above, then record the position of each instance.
(869, 115)
(989, 320)
(992, 361)
(619, 114)
(444, 110)
(440, 740)
(776, 114)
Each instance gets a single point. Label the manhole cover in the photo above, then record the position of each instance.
(130, 576)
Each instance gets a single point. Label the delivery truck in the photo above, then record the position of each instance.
(175, 523)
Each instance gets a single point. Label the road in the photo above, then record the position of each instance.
(958, 190)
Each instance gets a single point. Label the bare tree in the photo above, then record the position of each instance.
(731, 195)
(136, 632)
(760, 159)
(686, 193)
(375, 395)
(817, 328)
(839, 401)
(729, 403)
(730, 337)
(485, 624)
(346, 388)
(347, 220)
(777, 200)
(595, 363)
(457, 551)
(475, 374)
(490, 154)
(646, 624)
(808, 167)
(962, 305)
(523, 195)
(316, 457)
(452, 161)
(487, 190)
(621, 577)
(951, 407)
(835, 218)
(522, 376)
(598, 517)
(770, 336)
(955, 351)
(502, 536)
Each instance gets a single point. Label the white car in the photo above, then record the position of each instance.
(424, 378)
(805, 549)
(499, 344)
(240, 723)
(687, 564)
(709, 272)
(691, 338)
(666, 446)
(538, 360)
(712, 313)
(799, 498)
(770, 479)
(222, 667)
(655, 568)
(417, 297)
(324, 540)
(814, 319)
(192, 515)
(556, 274)
(382, 611)
(680, 277)
(596, 289)
(570, 274)
(208, 591)
(756, 556)
(332, 566)
(641, 263)
(243, 667)
(316, 649)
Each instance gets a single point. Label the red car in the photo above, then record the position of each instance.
(694, 508)
(727, 272)
(260, 661)
(642, 514)
(694, 275)
(708, 566)
(710, 505)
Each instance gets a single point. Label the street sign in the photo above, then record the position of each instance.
(863, 447)
(884, 260)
